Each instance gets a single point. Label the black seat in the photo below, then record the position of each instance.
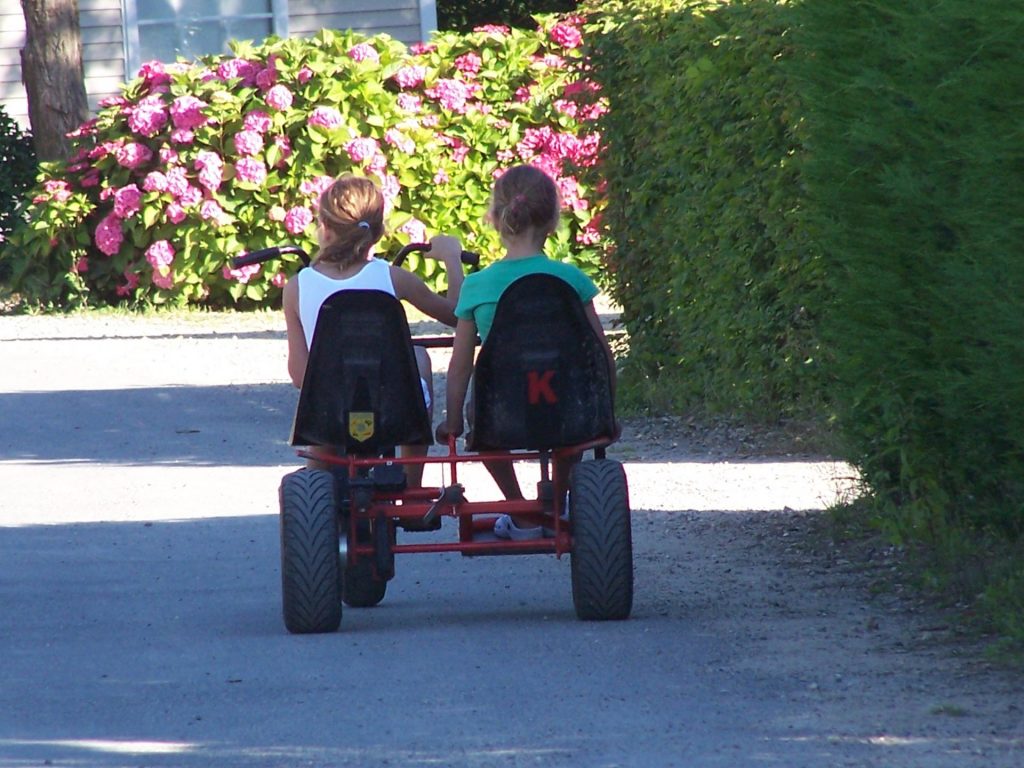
(362, 391)
(542, 378)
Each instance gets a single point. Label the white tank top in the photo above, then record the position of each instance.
(315, 287)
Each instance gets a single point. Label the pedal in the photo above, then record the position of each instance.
(453, 494)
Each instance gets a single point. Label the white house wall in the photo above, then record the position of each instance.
(103, 54)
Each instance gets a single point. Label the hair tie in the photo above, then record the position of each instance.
(364, 225)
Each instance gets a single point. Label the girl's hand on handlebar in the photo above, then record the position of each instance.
(445, 248)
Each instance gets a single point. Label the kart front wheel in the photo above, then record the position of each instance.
(602, 553)
(311, 576)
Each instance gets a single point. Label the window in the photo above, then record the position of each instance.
(167, 29)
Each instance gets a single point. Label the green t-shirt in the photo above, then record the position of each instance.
(481, 290)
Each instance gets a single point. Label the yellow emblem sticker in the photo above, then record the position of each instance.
(360, 425)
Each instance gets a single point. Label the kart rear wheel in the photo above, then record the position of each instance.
(311, 576)
(361, 588)
(602, 553)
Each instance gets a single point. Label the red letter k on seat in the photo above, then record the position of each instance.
(539, 386)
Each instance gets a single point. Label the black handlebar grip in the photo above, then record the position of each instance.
(266, 254)
(256, 257)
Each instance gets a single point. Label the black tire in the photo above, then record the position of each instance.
(602, 553)
(310, 563)
(361, 588)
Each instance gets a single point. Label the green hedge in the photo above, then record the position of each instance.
(720, 284)
(17, 171)
(917, 176)
(821, 204)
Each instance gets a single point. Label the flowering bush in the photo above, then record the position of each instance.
(198, 162)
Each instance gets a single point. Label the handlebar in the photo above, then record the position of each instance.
(469, 258)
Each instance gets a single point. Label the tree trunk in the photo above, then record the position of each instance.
(51, 68)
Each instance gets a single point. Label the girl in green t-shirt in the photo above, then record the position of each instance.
(525, 207)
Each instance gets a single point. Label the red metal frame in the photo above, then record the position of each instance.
(474, 516)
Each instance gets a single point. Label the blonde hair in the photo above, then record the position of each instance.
(352, 210)
(525, 198)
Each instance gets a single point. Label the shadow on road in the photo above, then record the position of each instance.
(245, 425)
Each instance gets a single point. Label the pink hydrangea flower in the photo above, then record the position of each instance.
(251, 170)
(327, 117)
(88, 128)
(266, 78)
(177, 180)
(211, 211)
(130, 284)
(133, 154)
(148, 116)
(211, 178)
(363, 52)
(109, 235)
(168, 156)
(279, 98)
(81, 266)
(441, 177)
(493, 29)
(316, 186)
(410, 76)
(362, 149)
(163, 279)
(297, 219)
(591, 233)
(57, 189)
(459, 148)
(550, 61)
(238, 68)
(91, 178)
(566, 107)
(187, 112)
(190, 196)
(257, 121)
(211, 170)
(160, 254)
(418, 49)
(567, 35)
(415, 229)
(155, 181)
(451, 94)
(279, 280)
(126, 201)
(242, 274)
(305, 75)
(112, 101)
(284, 144)
(399, 140)
(390, 188)
(469, 63)
(409, 102)
(175, 213)
(154, 73)
(248, 142)
(182, 136)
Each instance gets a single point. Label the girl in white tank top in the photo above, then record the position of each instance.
(350, 222)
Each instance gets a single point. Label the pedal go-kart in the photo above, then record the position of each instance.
(542, 393)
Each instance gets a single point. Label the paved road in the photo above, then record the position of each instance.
(140, 621)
